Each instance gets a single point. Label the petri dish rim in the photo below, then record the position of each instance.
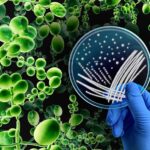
(75, 48)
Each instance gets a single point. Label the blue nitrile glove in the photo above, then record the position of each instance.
(132, 123)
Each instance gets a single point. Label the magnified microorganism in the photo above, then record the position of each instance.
(103, 61)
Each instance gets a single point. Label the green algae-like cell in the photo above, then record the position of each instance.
(55, 28)
(30, 71)
(39, 10)
(83, 148)
(19, 99)
(72, 23)
(112, 2)
(47, 132)
(15, 77)
(43, 31)
(11, 132)
(33, 117)
(40, 71)
(30, 60)
(45, 2)
(5, 33)
(76, 119)
(57, 44)
(21, 87)
(58, 9)
(65, 127)
(41, 96)
(72, 98)
(49, 17)
(40, 63)
(18, 24)
(146, 8)
(2, 11)
(13, 50)
(40, 85)
(57, 110)
(15, 110)
(2, 53)
(5, 95)
(5, 81)
(54, 71)
(55, 147)
(6, 62)
(55, 82)
(26, 43)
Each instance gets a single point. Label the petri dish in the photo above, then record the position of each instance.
(103, 61)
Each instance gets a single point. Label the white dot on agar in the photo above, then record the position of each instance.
(117, 62)
(112, 39)
(122, 45)
(112, 53)
(104, 41)
(98, 34)
(101, 52)
(82, 58)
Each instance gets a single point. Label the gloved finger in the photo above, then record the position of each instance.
(117, 129)
(135, 101)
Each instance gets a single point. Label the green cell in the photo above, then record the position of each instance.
(13, 50)
(57, 110)
(65, 127)
(26, 43)
(58, 9)
(41, 77)
(27, 6)
(19, 99)
(20, 63)
(11, 132)
(54, 71)
(112, 2)
(43, 31)
(33, 117)
(15, 110)
(39, 10)
(15, 77)
(5, 81)
(76, 119)
(5, 95)
(40, 85)
(18, 24)
(55, 82)
(6, 62)
(2, 53)
(30, 31)
(55, 28)
(100, 138)
(40, 63)
(2, 11)
(55, 147)
(72, 23)
(21, 87)
(40, 71)
(34, 91)
(71, 134)
(39, 20)
(5, 33)
(72, 98)
(50, 91)
(47, 132)
(146, 8)
(45, 2)
(30, 61)
(30, 71)
(41, 96)
(96, 9)
(49, 17)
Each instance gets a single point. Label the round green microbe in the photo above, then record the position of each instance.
(112, 2)
(19, 99)
(30, 60)
(11, 132)
(40, 63)
(65, 127)
(72, 23)
(2, 11)
(5, 95)
(41, 77)
(83, 148)
(100, 138)
(34, 91)
(27, 6)
(20, 63)
(41, 96)
(40, 85)
(40, 71)
(30, 31)
(96, 9)
(45, 2)
(26, 43)
(47, 132)
(54, 71)
(55, 28)
(48, 90)
(146, 8)
(49, 17)
(43, 31)
(13, 50)
(72, 98)
(2, 1)
(55, 147)
(76, 119)
(30, 71)
(18, 24)
(6, 62)
(39, 10)
(5, 33)
(55, 82)
(21, 87)
(2, 53)
(39, 20)
(15, 77)
(5, 81)
(58, 9)
(57, 110)
(15, 110)
(57, 44)
(33, 117)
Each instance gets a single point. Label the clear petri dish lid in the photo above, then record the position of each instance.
(103, 61)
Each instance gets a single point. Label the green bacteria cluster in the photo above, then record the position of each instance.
(36, 38)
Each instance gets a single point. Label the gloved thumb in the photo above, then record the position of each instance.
(136, 102)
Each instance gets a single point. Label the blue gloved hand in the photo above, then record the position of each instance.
(132, 123)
